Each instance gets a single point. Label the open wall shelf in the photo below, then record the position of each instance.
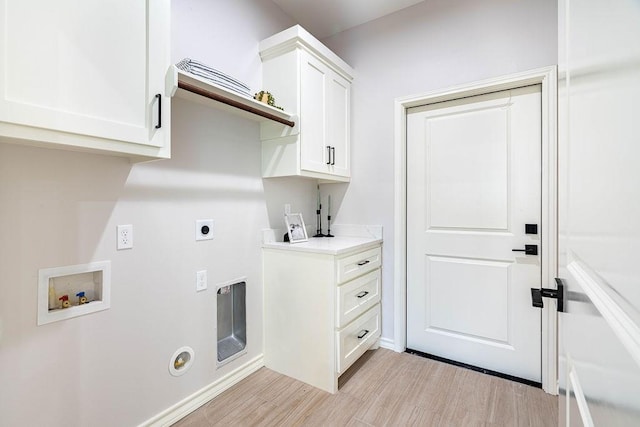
(187, 86)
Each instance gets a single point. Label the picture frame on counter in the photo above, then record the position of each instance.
(295, 228)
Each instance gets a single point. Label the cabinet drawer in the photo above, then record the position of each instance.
(358, 264)
(357, 296)
(355, 339)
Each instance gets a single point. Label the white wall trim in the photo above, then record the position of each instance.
(547, 78)
(387, 343)
(191, 403)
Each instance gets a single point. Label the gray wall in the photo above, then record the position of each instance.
(433, 45)
(61, 208)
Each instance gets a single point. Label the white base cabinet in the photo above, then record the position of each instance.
(310, 81)
(86, 75)
(322, 311)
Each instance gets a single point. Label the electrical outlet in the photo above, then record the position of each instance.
(204, 229)
(124, 237)
(201, 280)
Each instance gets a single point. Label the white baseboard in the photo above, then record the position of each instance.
(387, 343)
(204, 395)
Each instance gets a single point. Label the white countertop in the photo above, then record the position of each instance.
(349, 238)
(327, 245)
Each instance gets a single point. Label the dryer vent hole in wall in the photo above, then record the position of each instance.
(232, 321)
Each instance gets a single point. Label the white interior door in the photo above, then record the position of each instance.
(473, 182)
(599, 208)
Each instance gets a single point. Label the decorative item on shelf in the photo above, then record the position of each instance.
(266, 98)
(82, 299)
(65, 301)
(319, 217)
(329, 218)
(295, 228)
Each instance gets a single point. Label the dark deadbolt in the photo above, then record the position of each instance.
(528, 250)
(531, 229)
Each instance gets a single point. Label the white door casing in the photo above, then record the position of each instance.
(473, 182)
(547, 78)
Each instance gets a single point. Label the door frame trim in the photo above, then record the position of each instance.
(547, 78)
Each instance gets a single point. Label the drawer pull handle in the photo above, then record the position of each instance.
(363, 334)
(361, 263)
(362, 294)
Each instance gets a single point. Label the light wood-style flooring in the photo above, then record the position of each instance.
(383, 388)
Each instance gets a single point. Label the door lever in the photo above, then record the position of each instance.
(528, 250)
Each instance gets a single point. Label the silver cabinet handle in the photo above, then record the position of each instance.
(361, 263)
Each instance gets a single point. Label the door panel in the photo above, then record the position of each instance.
(447, 279)
(473, 182)
(452, 160)
(599, 207)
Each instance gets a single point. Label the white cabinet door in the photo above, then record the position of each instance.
(86, 69)
(338, 119)
(325, 98)
(313, 118)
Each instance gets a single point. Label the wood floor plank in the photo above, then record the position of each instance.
(384, 388)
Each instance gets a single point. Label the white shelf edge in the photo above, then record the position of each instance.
(258, 110)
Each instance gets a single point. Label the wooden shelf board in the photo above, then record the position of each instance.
(200, 90)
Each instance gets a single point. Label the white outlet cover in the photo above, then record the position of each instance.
(201, 226)
(124, 237)
(201, 280)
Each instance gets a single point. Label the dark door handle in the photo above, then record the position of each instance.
(363, 333)
(528, 250)
(159, 98)
(364, 262)
(362, 294)
(328, 154)
(333, 155)
(537, 294)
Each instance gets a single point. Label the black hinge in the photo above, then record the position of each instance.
(538, 294)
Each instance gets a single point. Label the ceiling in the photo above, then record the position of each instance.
(324, 18)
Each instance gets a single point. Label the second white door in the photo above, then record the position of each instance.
(473, 183)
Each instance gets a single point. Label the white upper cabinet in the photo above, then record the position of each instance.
(86, 75)
(310, 81)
